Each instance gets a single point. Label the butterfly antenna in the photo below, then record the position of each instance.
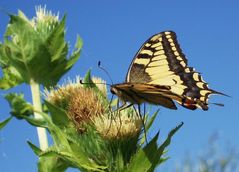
(97, 83)
(107, 73)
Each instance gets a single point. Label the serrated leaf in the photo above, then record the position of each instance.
(142, 160)
(58, 50)
(4, 123)
(157, 155)
(58, 115)
(19, 107)
(21, 42)
(150, 156)
(35, 149)
(76, 53)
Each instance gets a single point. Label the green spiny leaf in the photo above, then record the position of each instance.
(151, 120)
(50, 161)
(148, 125)
(35, 149)
(4, 123)
(58, 115)
(142, 160)
(75, 54)
(88, 83)
(157, 155)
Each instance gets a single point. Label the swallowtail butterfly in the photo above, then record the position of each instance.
(159, 74)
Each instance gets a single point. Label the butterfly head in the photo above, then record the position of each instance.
(115, 90)
(124, 92)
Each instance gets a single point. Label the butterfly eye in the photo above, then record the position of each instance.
(112, 90)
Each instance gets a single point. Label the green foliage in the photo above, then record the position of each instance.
(35, 52)
(18, 105)
(4, 123)
(28, 53)
(59, 116)
(151, 155)
(66, 149)
(88, 83)
(88, 151)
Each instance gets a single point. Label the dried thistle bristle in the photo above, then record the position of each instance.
(123, 126)
(62, 95)
(84, 106)
(81, 104)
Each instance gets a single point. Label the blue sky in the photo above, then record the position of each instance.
(112, 33)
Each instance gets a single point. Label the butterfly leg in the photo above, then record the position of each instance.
(118, 114)
(111, 112)
(124, 106)
(142, 120)
(110, 103)
(144, 112)
(117, 111)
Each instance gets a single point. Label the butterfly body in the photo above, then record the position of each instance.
(159, 75)
(152, 94)
(142, 93)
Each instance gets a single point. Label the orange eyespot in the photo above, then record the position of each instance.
(190, 104)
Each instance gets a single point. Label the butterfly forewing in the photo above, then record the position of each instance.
(160, 61)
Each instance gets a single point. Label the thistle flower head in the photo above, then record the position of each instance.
(45, 21)
(84, 106)
(62, 94)
(42, 15)
(124, 125)
(81, 104)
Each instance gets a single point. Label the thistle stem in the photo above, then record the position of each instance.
(36, 100)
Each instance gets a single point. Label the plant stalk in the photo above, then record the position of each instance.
(36, 100)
